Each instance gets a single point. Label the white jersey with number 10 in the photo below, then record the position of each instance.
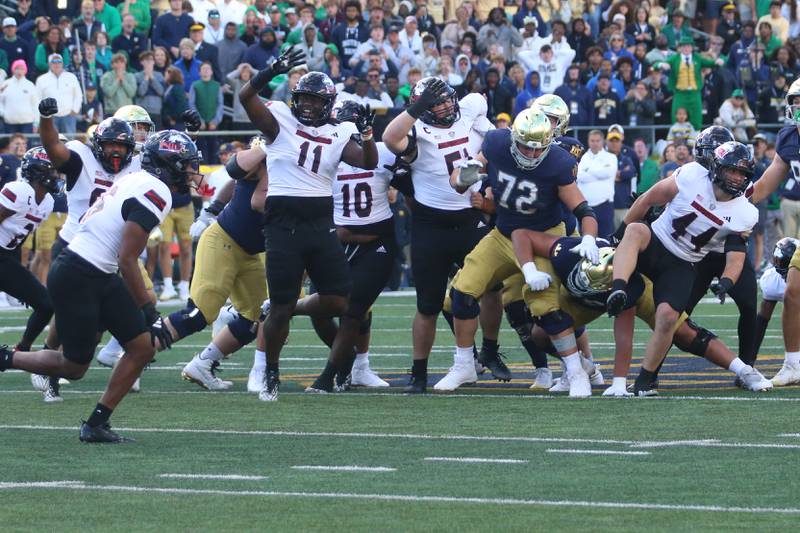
(695, 222)
(361, 197)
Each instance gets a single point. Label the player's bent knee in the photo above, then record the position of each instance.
(554, 322)
(519, 319)
(188, 320)
(694, 339)
(666, 317)
(243, 330)
(465, 307)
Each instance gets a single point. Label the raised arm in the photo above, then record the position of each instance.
(396, 133)
(258, 113)
(364, 155)
(56, 151)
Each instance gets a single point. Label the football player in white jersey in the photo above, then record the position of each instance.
(88, 294)
(365, 226)
(773, 284)
(24, 204)
(706, 210)
(433, 134)
(304, 148)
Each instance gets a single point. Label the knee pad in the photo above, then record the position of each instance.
(465, 307)
(554, 322)
(699, 344)
(189, 320)
(520, 319)
(243, 330)
(366, 324)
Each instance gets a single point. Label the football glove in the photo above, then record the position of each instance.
(721, 288)
(191, 120)
(617, 391)
(587, 249)
(364, 122)
(537, 281)
(618, 235)
(289, 59)
(470, 173)
(199, 226)
(48, 107)
(427, 98)
(158, 330)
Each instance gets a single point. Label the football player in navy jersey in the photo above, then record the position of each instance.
(584, 290)
(304, 148)
(529, 178)
(786, 164)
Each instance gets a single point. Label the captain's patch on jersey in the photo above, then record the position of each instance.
(156, 200)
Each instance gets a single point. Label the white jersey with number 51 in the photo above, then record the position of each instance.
(695, 222)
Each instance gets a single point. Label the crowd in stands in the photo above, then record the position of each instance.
(622, 67)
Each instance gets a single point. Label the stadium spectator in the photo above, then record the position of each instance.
(661, 51)
(677, 30)
(640, 29)
(682, 129)
(140, 9)
(162, 59)
(23, 12)
(214, 32)
(498, 98)
(231, 11)
(597, 171)
(497, 30)
(259, 54)
(110, 18)
(739, 49)
(625, 177)
(455, 29)
(18, 100)
(400, 55)
(349, 34)
(767, 38)
(283, 92)
(91, 108)
(236, 79)
(119, 86)
(188, 64)
(577, 97)
(551, 72)
(203, 51)
(53, 43)
(784, 61)
(778, 23)
(171, 27)
(429, 59)
(87, 68)
(280, 29)
(175, 101)
(360, 60)
(231, 49)
(393, 90)
(526, 10)
(130, 42)
(85, 28)
(14, 47)
(605, 102)
(64, 87)
(150, 88)
(410, 36)
(205, 97)
(648, 175)
(532, 90)
(333, 66)
(580, 38)
(639, 110)
(729, 27)
(104, 52)
(772, 101)
(736, 115)
(56, 10)
(332, 18)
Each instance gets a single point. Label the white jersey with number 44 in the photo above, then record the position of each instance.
(99, 237)
(92, 182)
(439, 149)
(695, 222)
(19, 197)
(361, 197)
(302, 160)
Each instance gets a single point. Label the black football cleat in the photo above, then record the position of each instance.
(101, 434)
(342, 382)
(321, 385)
(417, 385)
(644, 390)
(616, 302)
(495, 364)
(6, 355)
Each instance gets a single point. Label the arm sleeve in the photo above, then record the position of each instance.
(134, 211)
(72, 169)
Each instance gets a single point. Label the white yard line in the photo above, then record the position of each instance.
(236, 477)
(76, 485)
(345, 468)
(575, 451)
(476, 460)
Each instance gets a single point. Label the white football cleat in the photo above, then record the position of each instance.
(269, 390)
(459, 374)
(789, 374)
(753, 380)
(561, 384)
(52, 392)
(479, 368)
(255, 381)
(365, 377)
(39, 382)
(108, 358)
(168, 294)
(543, 379)
(617, 392)
(137, 385)
(579, 385)
(201, 372)
(593, 370)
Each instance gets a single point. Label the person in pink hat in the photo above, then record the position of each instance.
(18, 100)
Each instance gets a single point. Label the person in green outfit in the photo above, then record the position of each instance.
(110, 18)
(140, 9)
(685, 79)
(767, 38)
(677, 29)
(648, 169)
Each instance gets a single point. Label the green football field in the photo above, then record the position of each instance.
(701, 456)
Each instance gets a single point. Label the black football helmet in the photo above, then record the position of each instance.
(172, 157)
(782, 255)
(116, 131)
(727, 156)
(707, 140)
(445, 118)
(37, 168)
(347, 111)
(317, 111)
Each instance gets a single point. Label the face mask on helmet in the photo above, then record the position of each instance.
(782, 255)
(707, 141)
(114, 156)
(732, 168)
(793, 108)
(445, 110)
(310, 109)
(587, 279)
(141, 131)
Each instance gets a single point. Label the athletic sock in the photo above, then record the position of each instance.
(112, 346)
(619, 382)
(259, 359)
(736, 366)
(464, 356)
(183, 285)
(572, 362)
(489, 345)
(211, 353)
(538, 357)
(168, 284)
(99, 416)
(362, 360)
(793, 358)
(419, 368)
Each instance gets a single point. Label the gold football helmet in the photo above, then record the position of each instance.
(792, 108)
(139, 121)
(555, 108)
(531, 138)
(587, 279)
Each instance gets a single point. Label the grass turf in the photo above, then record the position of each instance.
(702, 443)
